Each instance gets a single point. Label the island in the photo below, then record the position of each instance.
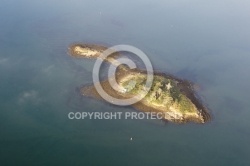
(174, 97)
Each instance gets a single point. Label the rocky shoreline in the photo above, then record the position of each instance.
(183, 86)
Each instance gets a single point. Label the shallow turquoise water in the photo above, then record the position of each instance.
(205, 42)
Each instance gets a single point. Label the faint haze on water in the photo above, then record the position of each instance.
(207, 42)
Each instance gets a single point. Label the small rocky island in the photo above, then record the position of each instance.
(168, 94)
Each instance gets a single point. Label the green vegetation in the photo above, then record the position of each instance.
(164, 92)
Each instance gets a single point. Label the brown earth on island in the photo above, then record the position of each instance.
(170, 95)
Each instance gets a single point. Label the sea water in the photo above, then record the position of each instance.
(207, 43)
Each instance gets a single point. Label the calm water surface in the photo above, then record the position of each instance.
(205, 42)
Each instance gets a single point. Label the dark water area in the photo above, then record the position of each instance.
(205, 42)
